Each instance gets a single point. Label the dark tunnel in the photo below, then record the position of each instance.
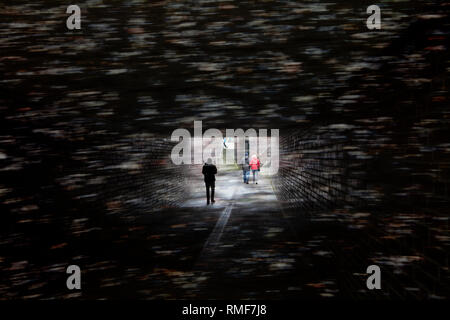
(86, 176)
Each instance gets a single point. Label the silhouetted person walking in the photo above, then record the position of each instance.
(209, 170)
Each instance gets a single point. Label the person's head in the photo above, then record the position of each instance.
(209, 161)
(254, 156)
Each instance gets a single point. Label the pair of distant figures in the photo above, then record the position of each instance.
(209, 172)
(253, 165)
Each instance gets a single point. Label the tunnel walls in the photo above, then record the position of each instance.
(91, 179)
(138, 175)
(375, 191)
(312, 174)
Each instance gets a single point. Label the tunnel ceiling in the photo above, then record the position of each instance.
(139, 67)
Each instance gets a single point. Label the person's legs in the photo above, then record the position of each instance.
(256, 174)
(243, 174)
(253, 171)
(207, 191)
(213, 186)
(247, 176)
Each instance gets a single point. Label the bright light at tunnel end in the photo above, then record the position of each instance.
(229, 150)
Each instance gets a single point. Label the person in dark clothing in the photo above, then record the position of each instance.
(245, 168)
(209, 170)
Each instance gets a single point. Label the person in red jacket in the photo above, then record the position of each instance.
(255, 166)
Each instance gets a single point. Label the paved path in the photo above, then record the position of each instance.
(251, 251)
(236, 196)
(242, 247)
